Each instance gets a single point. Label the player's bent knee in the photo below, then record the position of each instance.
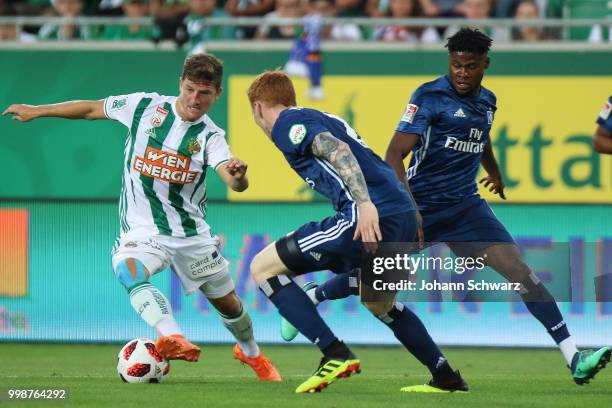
(379, 308)
(131, 272)
(266, 264)
(388, 312)
(257, 269)
(532, 290)
(515, 271)
(228, 305)
(523, 271)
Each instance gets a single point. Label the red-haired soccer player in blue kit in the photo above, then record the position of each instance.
(371, 206)
(446, 125)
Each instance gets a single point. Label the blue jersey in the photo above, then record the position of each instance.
(293, 134)
(605, 116)
(454, 131)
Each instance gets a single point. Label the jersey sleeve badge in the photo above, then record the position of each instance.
(409, 113)
(297, 133)
(490, 117)
(605, 111)
(118, 104)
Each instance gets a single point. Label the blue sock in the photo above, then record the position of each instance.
(295, 306)
(543, 307)
(411, 332)
(549, 315)
(339, 287)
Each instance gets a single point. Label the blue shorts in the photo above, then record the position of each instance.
(472, 220)
(329, 244)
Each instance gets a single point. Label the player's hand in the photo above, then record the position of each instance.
(420, 233)
(21, 113)
(367, 226)
(236, 168)
(495, 184)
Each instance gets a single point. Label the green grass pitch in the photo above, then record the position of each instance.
(497, 377)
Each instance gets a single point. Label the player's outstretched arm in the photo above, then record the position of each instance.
(89, 110)
(602, 140)
(494, 180)
(233, 174)
(399, 148)
(340, 156)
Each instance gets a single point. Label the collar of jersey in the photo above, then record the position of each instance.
(284, 112)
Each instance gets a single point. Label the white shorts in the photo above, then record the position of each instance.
(196, 260)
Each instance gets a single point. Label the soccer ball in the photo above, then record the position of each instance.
(140, 362)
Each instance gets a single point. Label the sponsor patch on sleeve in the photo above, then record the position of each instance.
(409, 113)
(605, 111)
(297, 133)
(118, 104)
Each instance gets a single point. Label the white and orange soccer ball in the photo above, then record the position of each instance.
(140, 362)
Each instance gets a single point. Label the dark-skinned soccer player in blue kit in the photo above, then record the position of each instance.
(446, 126)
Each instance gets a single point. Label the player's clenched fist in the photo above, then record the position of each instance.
(236, 167)
(21, 113)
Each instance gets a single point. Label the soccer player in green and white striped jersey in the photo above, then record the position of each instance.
(171, 142)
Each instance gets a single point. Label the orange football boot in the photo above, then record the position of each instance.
(177, 347)
(261, 365)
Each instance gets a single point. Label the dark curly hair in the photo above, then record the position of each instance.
(469, 40)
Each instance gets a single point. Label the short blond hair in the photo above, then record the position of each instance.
(273, 88)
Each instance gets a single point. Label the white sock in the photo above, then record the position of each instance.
(242, 329)
(311, 295)
(568, 348)
(168, 326)
(249, 348)
(154, 308)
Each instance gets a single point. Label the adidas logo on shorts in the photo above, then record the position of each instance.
(315, 255)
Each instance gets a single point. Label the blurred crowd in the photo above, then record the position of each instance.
(182, 20)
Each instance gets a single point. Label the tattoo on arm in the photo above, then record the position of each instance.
(339, 155)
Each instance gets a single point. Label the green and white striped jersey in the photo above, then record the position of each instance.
(164, 177)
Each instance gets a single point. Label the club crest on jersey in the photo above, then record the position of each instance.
(605, 111)
(159, 116)
(193, 146)
(490, 117)
(409, 113)
(297, 133)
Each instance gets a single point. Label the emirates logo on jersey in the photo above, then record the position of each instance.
(165, 166)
